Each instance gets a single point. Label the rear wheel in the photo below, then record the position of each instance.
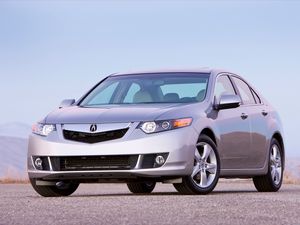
(206, 170)
(271, 182)
(141, 187)
(61, 189)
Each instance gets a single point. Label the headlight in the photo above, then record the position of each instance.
(43, 129)
(164, 125)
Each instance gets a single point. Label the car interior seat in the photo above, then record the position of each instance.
(171, 97)
(200, 95)
(142, 96)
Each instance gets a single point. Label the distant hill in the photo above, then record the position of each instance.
(292, 166)
(13, 152)
(16, 129)
(13, 149)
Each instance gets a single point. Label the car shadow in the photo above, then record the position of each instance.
(162, 194)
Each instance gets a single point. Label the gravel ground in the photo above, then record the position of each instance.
(230, 203)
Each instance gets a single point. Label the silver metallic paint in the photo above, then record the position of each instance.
(243, 144)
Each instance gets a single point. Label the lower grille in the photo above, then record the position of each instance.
(77, 163)
(92, 138)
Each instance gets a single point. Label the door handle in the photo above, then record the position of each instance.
(264, 113)
(244, 116)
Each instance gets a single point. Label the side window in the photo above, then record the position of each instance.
(257, 98)
(223, 86)
(134, 88)
(244, 91)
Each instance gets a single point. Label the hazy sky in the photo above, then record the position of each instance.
(52, 51)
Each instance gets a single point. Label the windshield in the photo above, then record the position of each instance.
(149, 88)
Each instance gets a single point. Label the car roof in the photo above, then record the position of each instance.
(200, 70)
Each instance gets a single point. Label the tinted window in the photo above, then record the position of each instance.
(244, 90)
(149, 88)
(105, 95)
(134, 88)
(224, 87)
(188, 90)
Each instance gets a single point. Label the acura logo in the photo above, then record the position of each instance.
(93, 128)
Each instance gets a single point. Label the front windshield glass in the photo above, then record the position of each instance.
(149, 88)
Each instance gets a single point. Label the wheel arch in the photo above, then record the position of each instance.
(208, 131)
(279, 138)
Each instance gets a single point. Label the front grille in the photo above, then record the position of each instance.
(76, 163)
(92, 138)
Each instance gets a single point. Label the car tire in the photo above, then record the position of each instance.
(206, 169)
(272, 181)
(141, 187)
(54, 191)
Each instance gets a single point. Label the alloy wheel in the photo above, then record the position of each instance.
(205, 165)
(275, 164)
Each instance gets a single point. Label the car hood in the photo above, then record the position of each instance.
(109, 114)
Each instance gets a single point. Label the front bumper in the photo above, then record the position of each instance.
(179, 144)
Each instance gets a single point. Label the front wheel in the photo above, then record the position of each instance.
(206, 170)
(62, 189)
(141, 187)
(271, 182)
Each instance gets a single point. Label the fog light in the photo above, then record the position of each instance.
(38, 162)
(160, 160)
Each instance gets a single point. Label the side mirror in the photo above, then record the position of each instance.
(66, 103)
(228, 102)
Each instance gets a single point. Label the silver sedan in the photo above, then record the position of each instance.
(187, 128)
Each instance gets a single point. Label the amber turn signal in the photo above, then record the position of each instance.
(182, 122)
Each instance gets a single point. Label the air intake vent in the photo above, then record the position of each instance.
(92, 138)
(77, 163)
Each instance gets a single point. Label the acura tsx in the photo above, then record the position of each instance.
(186, 128)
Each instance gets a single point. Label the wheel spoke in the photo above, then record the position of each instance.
(197, 156)
(276, 176)
(273, 160)
(278, 171)
(278, 163)
(274, 152)
(278, 160)
(211, 168)
(196, 170)
(203, 180)
(206, 152)
(273, 172)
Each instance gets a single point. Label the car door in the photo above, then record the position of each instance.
(257, 114)
(234, 128)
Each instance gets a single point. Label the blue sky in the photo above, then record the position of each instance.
(50, 51)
